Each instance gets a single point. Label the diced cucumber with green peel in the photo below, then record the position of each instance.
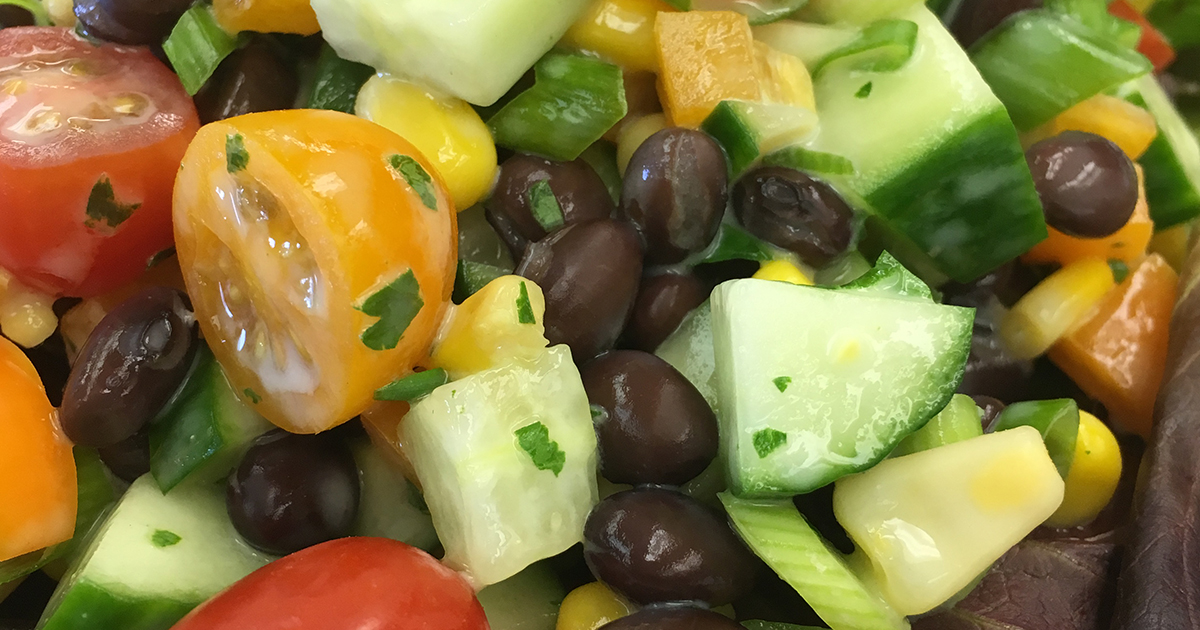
(1056, 420)
(507, 460)
(734, 243)
(389, 505)
(473, 49)
(690, 350)
(960, 420)
(926, 525)
(757, 11)
(937, 160)
(1041, 63)
(889, 278)
(205, 431)
(1172, 162)
(855, 11)
(154, 559)
(528, 600)
(1094, 15)
(809, 43)
(804, 401)
(883, 46)
(807, 160)
(747, 130)
(778, 534)
(843, 270)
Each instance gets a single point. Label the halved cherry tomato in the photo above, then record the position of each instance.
(342, 584)
(91, 136)
(319, 250)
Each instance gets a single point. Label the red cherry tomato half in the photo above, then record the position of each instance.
(91, 137)
(345, 584)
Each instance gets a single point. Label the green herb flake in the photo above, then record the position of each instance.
(544, 206)
(252, 395)
(535, 440)
(598, 412)
(524, 308)
(158, 258)
(162, 538)
(413, 386)
(395, 305)
(1120, 270)
(767, 440)
(782, 382)
(865, 90)
(236, 156)
(102, 205)
(417, 178)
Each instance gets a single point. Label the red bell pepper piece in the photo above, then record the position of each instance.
(1153, 45)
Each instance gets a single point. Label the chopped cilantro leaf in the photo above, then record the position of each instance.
(163, 538)
(535, 440)
(782, 382)
(252, 395)
(417, 178)
(102, 205)
(524, 308)
(395, 305)
(544, 206)
(413, 386)
(236, 157)
(865, 90)
(767, 440)
(1120, 270)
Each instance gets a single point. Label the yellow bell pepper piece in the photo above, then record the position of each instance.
(1055, 307)
(1094, 474)
(266, 16)
(782, 271)
(504, 320)
(1127, 244)
(591, 606)
(445, 129)
(784, 79)
(1127, 125)
(634, 134)
(619, 31)
(705, 57)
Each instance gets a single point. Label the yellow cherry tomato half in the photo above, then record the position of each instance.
(319, 250)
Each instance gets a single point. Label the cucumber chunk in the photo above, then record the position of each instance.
(856, 11)
(844, 382)
(890, 278)
(690, 350)
(960, 420)
(389, 505)
(1057, 421)
(528, 600)
(507, 459)
(154, 559)
(1172, 162)
(747, 130)
(809, 43)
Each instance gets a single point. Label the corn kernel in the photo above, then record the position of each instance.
(504, 320)
(782, 271)
(27, 317)
(1055, 307)
(784, 79)
(634, 134)
(266, 16)
(62, 12)
(620, 31)
(1094, 474)
(591, 606)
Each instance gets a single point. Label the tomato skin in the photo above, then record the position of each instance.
(345, 584)
(45, 239)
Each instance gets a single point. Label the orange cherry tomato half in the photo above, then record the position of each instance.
(91, 136)
(319, 250)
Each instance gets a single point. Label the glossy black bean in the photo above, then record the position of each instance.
(1087, 184)
(654, 427)
(658, 545)
(580, 193)
(293, 491)
(990, 408)
(134, 22)
(789, 209)
(129, 458)
(675, 617)
(817, 508)
(253, 79)
(12, 15)
(662, 302)
(129, 367)
(589, 273)
(974, 18)
(675, 191)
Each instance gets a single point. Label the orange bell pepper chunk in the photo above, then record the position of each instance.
(1125, 124)
(705, 57)
(1120, 354)
(38, 490)
(1127, 244)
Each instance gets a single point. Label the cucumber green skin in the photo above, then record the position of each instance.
(889, 277)
(1172, 192)
(89, 606)
(1057, 421)
(1179, 20)
(959, 421)
(734, 135)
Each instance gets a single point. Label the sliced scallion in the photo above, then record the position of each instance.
(196, 47)
(883, 46)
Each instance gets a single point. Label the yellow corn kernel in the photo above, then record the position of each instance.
(1055, 307)
(62, 12)
(501, 322)
(782, 271)
(266, 16)
(784, 79)
(591, 606)
(1127, 125)
(1094, 474)
(1172, 244)
(634, 134)
(26, 316)
(446, 130)
(620, 31)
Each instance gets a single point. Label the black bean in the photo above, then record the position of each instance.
(791, 210)
(658, 545)
(675, 191)
(1087, 184)
(974, 18)
(53, 366)
(134, 22)
(579, 192)
(589, 273)
(293, 491)
(674, 618)
(990, 408)
(129, 458)
(655, 426)
(662, 302)
(130, 366)
(253, 79)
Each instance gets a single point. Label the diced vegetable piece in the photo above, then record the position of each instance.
(196, 47)
(923, 142)
(844, 269)
(472, 49)
(837, 415)
(1094, 474)
(503, 321)
(757, 11)
(734, 243)
(690, 350)
(590, 607)
(526, 601)
(704, 57)
(783, 78)
(778, 534)
(266, 16)
(1172, 245)
(1041, 63)
(1056, 420)
(856, 11)
(1172, 162)
(1094, 15)
(337, 82)
(959, 421)
(1151, 42)
(803, 159)
(473, 277)
(1119, 354)
(883, 46)
(889, 278)
(442, 127)
(620, 31)
(809, 43)
(1179, 20)
(1055, 307)
(602, 157)
(389, 505)
(574, 101)
(1127, 244)
(748, 130)
(931, 522)
(633, 134)
(1130, 127)
(142, 571)
(782, 271)
(382, 423)
(507, 460)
